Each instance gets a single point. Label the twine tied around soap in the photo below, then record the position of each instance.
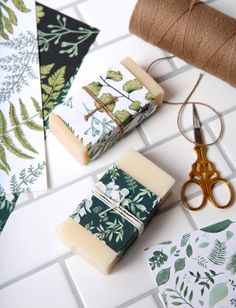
(187, 102)
(118, 209)
(105, 108)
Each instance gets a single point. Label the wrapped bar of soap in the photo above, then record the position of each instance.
(102, 112)
(115, 212)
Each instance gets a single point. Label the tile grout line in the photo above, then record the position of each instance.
(72, 285)
(137, 299)
(36, 270)
(222, 150)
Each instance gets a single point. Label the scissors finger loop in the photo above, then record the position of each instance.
(186, 203)
(212, 197)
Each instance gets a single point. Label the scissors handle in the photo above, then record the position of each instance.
(184, 195)
(211, 197)
(204, 175)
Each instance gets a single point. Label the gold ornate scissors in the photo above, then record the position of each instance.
(204, 173)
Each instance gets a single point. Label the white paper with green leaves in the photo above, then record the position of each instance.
(22, 146)
(197, 269)
(125, 97)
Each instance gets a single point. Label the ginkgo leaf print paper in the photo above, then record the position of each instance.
(197, 269)
(22, 146)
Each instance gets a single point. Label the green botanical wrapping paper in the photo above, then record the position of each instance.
(125, 97)
(197, 269)
(117, 232)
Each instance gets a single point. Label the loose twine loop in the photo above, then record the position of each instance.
(191, 30)
(187, 102)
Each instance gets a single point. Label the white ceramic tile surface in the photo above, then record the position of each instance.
(47, 288)
(210, 214)
(31, 255)
(147, 302)
(29, 236)
(228, 142)
(110, 16)
(131, 275)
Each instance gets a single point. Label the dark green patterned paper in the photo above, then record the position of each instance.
(117, 232)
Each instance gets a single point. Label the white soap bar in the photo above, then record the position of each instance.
(97, 252)
(134, 96)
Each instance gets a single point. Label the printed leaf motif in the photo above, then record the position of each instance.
(95, 87)
(201, 261)
(132, 85)
(204, 245)
(131, 183)
(179, 264)
(184, 239)
(231, 266)
(39, 13)
(45, 70)
(123, 115)
(57, 34)
(149, 96)
(229, 235)
(20, 5)
(18, 131)
(114, 75)
(136, 106)
(163, 276)
(218, 227)
(189, 250)
(107, 99)
(218, 253)
(8, 18)
(4, 166)
(217, 294)
(158, 259)
(7, 141)
(28, 121)
(173, 249)
(52, 90)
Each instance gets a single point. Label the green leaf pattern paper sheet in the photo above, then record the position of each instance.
(22, 147)
(127, 99)
(197, 269)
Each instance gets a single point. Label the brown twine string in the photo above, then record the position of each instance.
(186, 102)
(191, 30)
(107, 110)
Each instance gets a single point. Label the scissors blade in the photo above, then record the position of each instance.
(198, 134)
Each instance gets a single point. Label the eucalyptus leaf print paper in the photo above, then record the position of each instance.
(22, 146)
(197, 269)
(63, 42)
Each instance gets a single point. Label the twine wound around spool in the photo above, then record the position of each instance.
(191, 30)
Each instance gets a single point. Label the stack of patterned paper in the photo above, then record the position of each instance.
(35, 74)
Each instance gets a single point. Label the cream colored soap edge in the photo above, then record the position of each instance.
(96, 252)
(67, 138)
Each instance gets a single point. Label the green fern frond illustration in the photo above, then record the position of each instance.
(28, 121)
(45, 70)
(52, 89)
(7, 141)
(218, 253)
(3, 160)
(18, 131)
(8, 18)
(20, 5)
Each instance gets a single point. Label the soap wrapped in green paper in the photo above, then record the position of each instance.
(102, 231)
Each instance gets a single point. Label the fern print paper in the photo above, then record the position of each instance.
(22, 147)
(63, 42)
(124, 96)
(117, 232)
(197, 269)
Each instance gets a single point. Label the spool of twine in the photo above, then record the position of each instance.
(191, 30)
